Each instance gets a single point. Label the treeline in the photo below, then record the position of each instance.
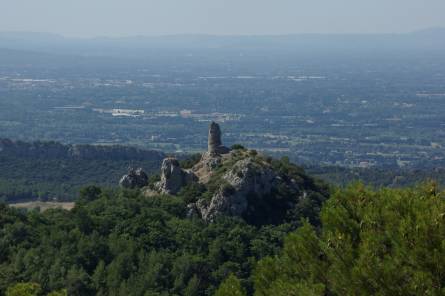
(378, 176)
(385, 242)
(31, 178)
(50, 170)
(60, 179)
(55, 150)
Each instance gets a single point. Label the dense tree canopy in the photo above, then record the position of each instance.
(386, 242)
(120, 242)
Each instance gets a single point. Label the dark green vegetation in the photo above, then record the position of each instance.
(48, 170)
(377, 176)
(190, 160)
(22, 180)
(387, 242)
(121, 243)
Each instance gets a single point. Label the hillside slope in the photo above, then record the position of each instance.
(243, 183)
(144, 242)
(49, 170)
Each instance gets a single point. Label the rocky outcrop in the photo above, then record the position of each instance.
(173, 178)
(215, 145)
(239, 183)
(245, 175)
(247, 178)
(136, 178)
(213, 158)
(206, 166)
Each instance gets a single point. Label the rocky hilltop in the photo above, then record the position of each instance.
(239, 182)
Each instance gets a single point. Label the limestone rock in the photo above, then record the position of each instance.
(240, 183)
(245, 178)
(173, 178)
(134, 179)
(206, 166)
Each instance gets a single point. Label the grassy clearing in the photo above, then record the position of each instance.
(43, 205)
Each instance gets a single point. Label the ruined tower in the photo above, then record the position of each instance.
(215, 145)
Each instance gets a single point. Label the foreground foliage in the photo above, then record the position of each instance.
(385, 242)
(389, 242)
(122, 243)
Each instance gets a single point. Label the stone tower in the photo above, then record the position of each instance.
(214, 140)
(215, 145)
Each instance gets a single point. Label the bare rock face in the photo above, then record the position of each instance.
(136, 178)
(215, 145)
(206, 166)
(245, 178)
(173, 178)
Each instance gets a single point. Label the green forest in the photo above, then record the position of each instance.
(26, 179)
(119, 242)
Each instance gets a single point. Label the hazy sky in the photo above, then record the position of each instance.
(87, 18)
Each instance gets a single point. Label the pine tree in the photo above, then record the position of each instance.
(231, 287)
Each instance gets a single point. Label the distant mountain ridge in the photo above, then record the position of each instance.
(427, 39)
(23, 35)
(54, 150)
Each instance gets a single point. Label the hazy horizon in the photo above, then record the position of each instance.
(114, 18)
(18, 32)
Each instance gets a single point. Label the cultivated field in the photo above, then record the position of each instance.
(43, 205)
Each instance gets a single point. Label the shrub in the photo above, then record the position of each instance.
(237, 147)
(24, 289)
(191, 161)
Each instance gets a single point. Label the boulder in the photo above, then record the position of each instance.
(204, 169)
(173, 178)
(245, 178)
(136, 178)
